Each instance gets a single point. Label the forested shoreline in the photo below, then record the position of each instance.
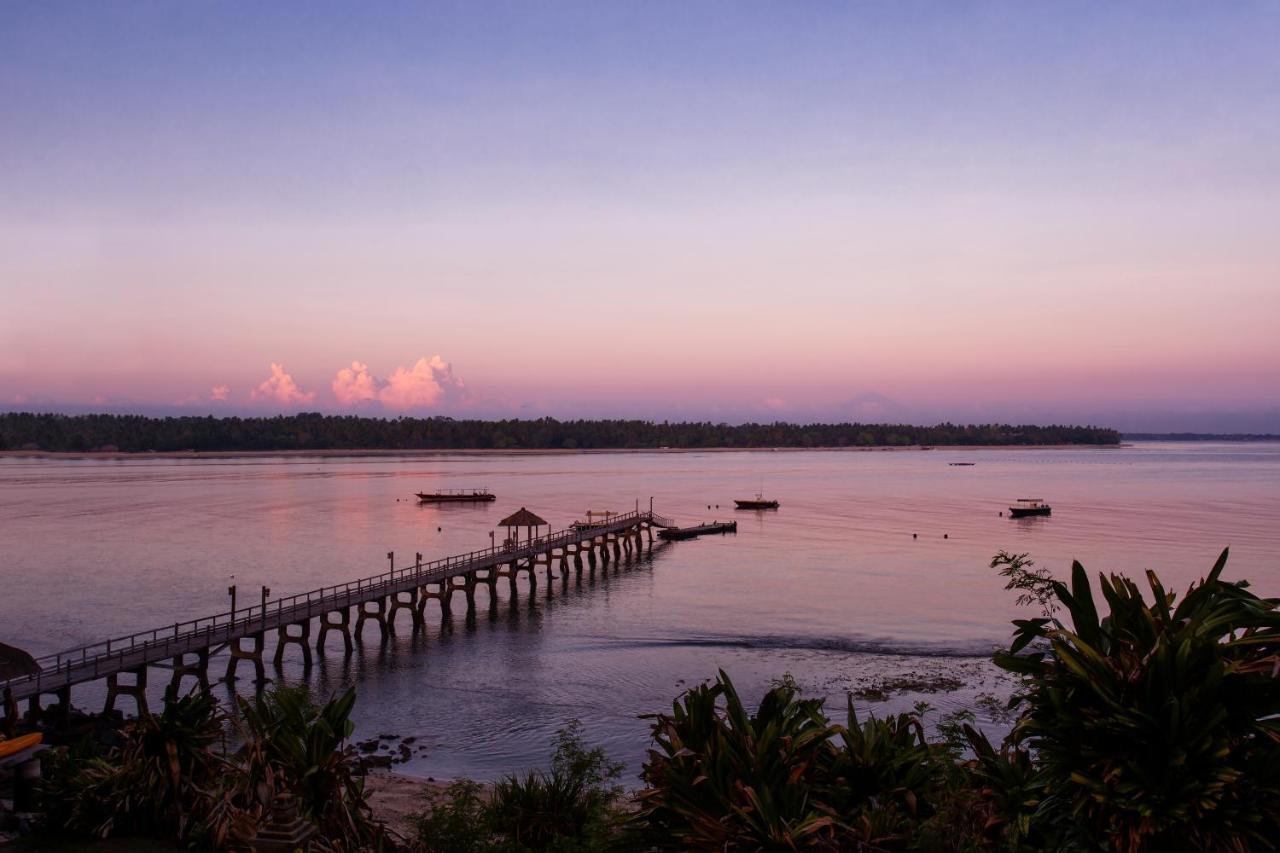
(315, 431)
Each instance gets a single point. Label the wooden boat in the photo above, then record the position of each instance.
(758, 502)
(14, 746)
(1024, 507)
(456, 496)
(962, 464)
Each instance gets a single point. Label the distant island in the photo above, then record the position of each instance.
(314, 431)
(1200, 436)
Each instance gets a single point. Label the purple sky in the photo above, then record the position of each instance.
(889, 211)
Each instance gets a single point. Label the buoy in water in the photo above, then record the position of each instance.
(944, 536)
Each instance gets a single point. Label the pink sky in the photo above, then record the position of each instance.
(1037, 215)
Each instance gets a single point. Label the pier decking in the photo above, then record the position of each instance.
(698, 530)
(185, 647)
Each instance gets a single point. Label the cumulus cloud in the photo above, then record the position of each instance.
(279, 387)
(354, 385)
(219, 393)
(429, 382)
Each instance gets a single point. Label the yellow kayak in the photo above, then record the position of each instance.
(18, 744)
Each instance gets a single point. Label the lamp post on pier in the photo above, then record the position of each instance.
(231, 591)
(391, 558)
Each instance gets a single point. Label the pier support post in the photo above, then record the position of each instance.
(342, 624)
(137, 690)
(398, 603)
(604, 551)
(375, 611)
(467, 584)
(182, 668)
(302, 638)
(253, 653)
(440, 594)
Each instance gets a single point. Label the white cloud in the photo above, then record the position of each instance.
(279, 387)
(429, 382)
(354, 385)
(219, 393)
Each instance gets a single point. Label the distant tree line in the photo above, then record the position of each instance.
(1200, 436)
(314, 431)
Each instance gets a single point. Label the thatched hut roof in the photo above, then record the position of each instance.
(14, 662)
(523, 518)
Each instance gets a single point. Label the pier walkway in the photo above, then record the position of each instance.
(185, 647)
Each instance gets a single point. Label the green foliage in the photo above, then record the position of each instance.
(1035, 586)
(571, 807)
(296, 747)
(165, 778)
(721, 778)
(785, 777)
(1155, 726)
(457, 823)
(313, 431)
(171, 777)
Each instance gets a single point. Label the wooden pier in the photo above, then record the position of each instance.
(185, 648)
(698, 530)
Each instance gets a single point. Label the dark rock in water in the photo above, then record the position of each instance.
(409, 740)
(381, 761)
(368, 746)
(388, 737)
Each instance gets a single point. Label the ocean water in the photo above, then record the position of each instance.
(874, 570)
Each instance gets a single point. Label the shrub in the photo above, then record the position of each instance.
(297, 748)
(571, 807)
(163, 779)
(1154, 727)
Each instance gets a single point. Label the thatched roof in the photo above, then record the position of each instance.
(14, 662)
(523, 518)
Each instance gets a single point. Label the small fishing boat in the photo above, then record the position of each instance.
(456, 496)
(1024, 507)
(758, 502)
(962, 464)
(698, 530)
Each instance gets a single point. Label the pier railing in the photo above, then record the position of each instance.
(97, 660)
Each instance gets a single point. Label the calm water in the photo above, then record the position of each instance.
(831, 588)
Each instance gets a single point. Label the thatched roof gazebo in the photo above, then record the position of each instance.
(531, 522)
(14, 663)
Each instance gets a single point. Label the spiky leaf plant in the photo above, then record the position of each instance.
(1155, 726)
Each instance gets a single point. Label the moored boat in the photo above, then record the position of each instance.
(758, 502)
(456, 496)
(1024, 507)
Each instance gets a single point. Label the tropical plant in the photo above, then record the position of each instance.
(294, 747)
(570, 807)
(1154, 727)
(883, 777)
(164, 778)
(721, 778)
(457, 822)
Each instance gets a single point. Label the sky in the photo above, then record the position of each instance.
(728, 211)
